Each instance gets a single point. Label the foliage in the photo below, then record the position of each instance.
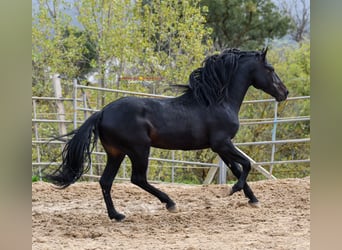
(173, 40)
(110, 28)
(35, 178)
(245, 24)
(55, 45)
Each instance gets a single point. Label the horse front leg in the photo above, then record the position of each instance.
(229, 153)
(236, 170)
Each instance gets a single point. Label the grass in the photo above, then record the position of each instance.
(35, 178)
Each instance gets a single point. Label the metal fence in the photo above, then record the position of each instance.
(80, 111)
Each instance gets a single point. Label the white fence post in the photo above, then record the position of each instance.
(56, 82)
(37, 138)
(75, 102)
(274, 133)
(173, 167)
(222, 178)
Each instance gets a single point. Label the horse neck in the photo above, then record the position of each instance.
(237, 92)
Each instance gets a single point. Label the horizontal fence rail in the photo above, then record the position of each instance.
(73, 118)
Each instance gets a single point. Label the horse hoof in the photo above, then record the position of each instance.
(172, 209)
(230, 191)
(254, 204)
(119, 217)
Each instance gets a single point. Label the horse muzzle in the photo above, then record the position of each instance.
(282, 96)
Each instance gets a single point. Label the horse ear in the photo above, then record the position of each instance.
(264, 52)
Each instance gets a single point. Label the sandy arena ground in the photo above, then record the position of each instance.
(76, 218)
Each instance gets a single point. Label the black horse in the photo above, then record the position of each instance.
(205, 116)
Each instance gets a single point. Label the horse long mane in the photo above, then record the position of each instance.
(209, 84)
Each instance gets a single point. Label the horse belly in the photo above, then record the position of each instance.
(181, 140)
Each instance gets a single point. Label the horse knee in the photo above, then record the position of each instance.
(138, 180)
(102, 184)
(105, 186)
(246, 165)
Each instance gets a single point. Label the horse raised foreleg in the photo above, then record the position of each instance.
(106, 181)
(235, 168)
(227, 150)
(139, 169)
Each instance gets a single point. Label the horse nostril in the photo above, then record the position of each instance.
(287, 93)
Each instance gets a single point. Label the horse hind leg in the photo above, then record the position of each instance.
(106, 182)
(139, 169)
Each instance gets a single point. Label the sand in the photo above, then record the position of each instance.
(76, 217)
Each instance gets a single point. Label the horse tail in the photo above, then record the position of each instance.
(76, 152)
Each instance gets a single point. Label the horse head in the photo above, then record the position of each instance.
(265, 78)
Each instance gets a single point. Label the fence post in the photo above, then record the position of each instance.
(173, 167)
(222, 179)
(274, 132)
(75, 103)
(85, 106)
(37, 138)
(56, 82)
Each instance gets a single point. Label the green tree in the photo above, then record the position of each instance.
(164, 39)
(55, 45)
(110, 28)
(174, 39)
(245, 24)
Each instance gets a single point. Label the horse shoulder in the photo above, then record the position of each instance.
(224, 122)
